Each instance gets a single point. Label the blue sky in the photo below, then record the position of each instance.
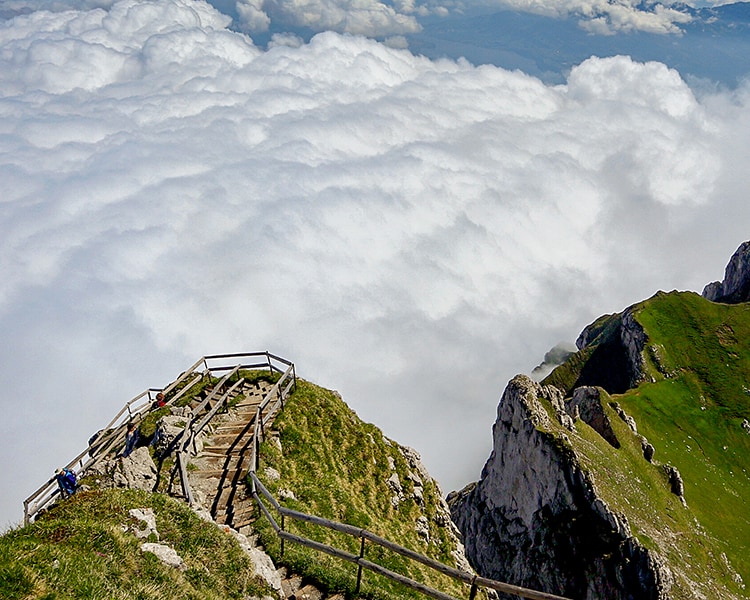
(410, 228)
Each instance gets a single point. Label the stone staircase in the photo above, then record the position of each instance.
(223, 464)
(295, 588)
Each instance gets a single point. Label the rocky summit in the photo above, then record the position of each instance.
(735, 287)
(536, 517)
(624, 473)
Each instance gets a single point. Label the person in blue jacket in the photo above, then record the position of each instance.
(66, 481)
(131, 439)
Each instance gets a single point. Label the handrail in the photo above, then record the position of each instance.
(475, 581)
(462, 576)
(199, 421)
(133, 410)
(191, 430)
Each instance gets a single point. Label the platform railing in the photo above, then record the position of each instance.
(259, 492)
(112, 435)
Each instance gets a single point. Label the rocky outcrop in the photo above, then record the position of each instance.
(168, 429)
(616, 344)
(165, 554)
(675, 482)
(586, 404)
(735, 287)
(137, 471)
(534, 518)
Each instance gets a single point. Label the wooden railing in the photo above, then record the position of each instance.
(271, 404)
(275, 397)
(475, 582)
(112, 436)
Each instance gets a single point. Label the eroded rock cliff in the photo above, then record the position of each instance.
(735, 287)
(535, 518)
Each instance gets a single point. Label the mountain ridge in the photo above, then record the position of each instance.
(648, 419)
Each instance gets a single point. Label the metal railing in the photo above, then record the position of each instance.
(275, 397)
(112, 435)
(272, 402)
(474, 581)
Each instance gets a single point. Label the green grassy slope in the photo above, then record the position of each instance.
(84, 547)
(691, 408)
(337, 466)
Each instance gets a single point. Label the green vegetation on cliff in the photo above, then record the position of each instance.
(338, 467)
(691, 403)
(85, 547)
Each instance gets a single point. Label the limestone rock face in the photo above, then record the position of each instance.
(165, 554)
(616, 363)
(534, 518)
(167, 430)
(137, 471)
(735, 287)
(586, 403)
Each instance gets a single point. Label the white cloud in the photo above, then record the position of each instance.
(12, 8)
(607, 17)
(252, 17)
(370, 18)
(410, 232)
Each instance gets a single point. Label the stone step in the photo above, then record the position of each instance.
(307, 592)
(243, 520)
(229, 452)
(229, 439)
(247, 407)
(228, 460)
(229, 473)
(227, 449)
(238, 427)
(218, 450)
(290, 585)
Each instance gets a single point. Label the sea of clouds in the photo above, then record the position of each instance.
(410, 232)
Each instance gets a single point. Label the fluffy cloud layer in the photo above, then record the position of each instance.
(359, 17)
(375, 18)
(606, 17)
(412, 233)
(391, 18)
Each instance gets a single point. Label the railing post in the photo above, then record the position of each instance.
(26, 517)
(282, 539)
(474, 588)
(257, 452)
(259, 417)
(359, 565)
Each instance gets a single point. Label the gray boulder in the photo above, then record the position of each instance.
(165, 554)
(168, 428)
(137, 471)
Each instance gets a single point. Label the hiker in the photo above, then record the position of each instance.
(159, 402)
(131, 439)
(93, 448)
(66, 481)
